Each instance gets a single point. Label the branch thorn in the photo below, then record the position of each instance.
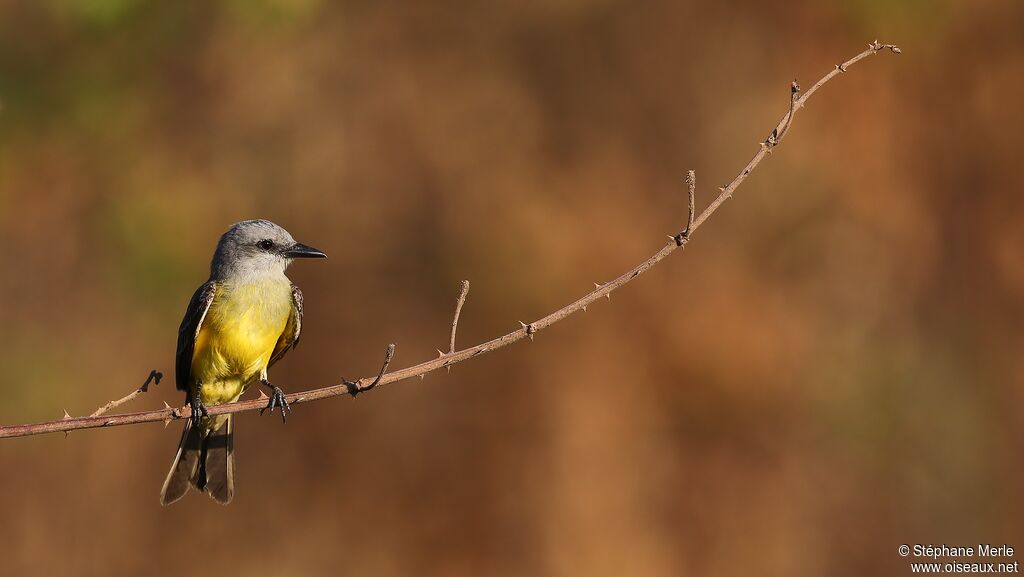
(172, 414)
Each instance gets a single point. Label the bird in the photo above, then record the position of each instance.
(237, 325)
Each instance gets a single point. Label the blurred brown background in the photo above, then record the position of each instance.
(831, 369)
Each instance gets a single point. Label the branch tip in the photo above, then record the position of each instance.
(154, 377)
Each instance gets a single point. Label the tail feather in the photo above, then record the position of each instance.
(217, 474)
(205, 460)
(185, 465)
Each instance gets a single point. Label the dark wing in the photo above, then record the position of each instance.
(189, 330)
(290, 337)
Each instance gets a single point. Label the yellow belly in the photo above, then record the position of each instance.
(238, 337)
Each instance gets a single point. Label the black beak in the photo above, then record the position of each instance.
(299, 250)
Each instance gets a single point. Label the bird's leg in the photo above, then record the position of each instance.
(276, 400)
(198, 408)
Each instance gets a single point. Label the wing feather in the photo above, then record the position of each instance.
(189, 330)
(292, 330)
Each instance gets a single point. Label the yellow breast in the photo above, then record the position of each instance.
(238, 336)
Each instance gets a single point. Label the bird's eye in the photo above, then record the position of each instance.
(265, 244)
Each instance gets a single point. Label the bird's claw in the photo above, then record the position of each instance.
(198, 409)
(277, 399)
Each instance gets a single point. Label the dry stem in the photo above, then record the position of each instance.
(154, 377)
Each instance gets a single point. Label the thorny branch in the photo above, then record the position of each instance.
(167, 414)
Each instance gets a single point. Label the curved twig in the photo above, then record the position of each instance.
(154, 377)
(458, 311)
(453, 357)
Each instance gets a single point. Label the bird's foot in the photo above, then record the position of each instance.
(198, 409)
(276, 400)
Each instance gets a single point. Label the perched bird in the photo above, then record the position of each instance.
(238, 324)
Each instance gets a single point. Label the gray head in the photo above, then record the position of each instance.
(255, 248)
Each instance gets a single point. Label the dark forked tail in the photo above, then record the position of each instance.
(205, 460)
